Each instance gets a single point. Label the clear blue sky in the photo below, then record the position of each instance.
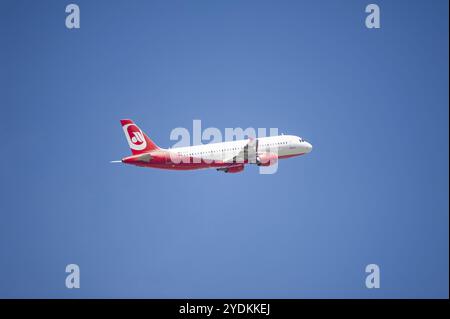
(374, 103)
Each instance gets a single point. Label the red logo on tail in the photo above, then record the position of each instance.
(135, 137)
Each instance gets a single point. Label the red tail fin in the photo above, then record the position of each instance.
(138, 141)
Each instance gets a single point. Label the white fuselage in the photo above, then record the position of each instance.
(282, 145)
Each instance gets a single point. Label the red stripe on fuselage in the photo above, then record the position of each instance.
(162, 160)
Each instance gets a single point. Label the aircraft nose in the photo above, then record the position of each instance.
(308, 147)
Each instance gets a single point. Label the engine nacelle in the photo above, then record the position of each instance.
(234, 169)
(266, 159)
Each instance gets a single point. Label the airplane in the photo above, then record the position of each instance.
(228, 157)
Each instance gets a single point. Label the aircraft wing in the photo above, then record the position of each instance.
(245, 154)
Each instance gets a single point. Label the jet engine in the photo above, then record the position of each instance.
(266, 159)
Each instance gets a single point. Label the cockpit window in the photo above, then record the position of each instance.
(301, 139)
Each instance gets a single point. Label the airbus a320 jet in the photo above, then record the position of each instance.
(228, 157)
